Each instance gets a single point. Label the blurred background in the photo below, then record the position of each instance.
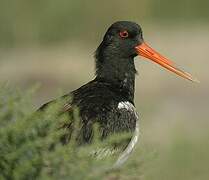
(52, 42)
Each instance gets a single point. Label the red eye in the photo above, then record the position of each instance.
(123, 34)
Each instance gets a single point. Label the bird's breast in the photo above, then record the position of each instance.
(128, 120)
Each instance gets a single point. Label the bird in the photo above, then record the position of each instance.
(108, 99)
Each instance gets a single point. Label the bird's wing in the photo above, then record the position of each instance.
(67, 107)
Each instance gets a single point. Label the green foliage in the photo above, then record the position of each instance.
(30, 146)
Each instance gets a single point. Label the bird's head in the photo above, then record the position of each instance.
(124, 40)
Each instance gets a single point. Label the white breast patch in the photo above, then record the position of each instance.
(126, 105)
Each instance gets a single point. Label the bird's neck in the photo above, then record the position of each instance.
(120, 72)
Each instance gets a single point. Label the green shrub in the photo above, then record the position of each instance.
(30, 146)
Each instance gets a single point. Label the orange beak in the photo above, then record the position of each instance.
(147, 52)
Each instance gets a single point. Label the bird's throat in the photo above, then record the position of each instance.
(119, 72)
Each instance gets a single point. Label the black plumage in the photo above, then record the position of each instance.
(98, 100)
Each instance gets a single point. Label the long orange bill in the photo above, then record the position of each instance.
(147, 52)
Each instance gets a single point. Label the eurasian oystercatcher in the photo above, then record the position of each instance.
(109, 99)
